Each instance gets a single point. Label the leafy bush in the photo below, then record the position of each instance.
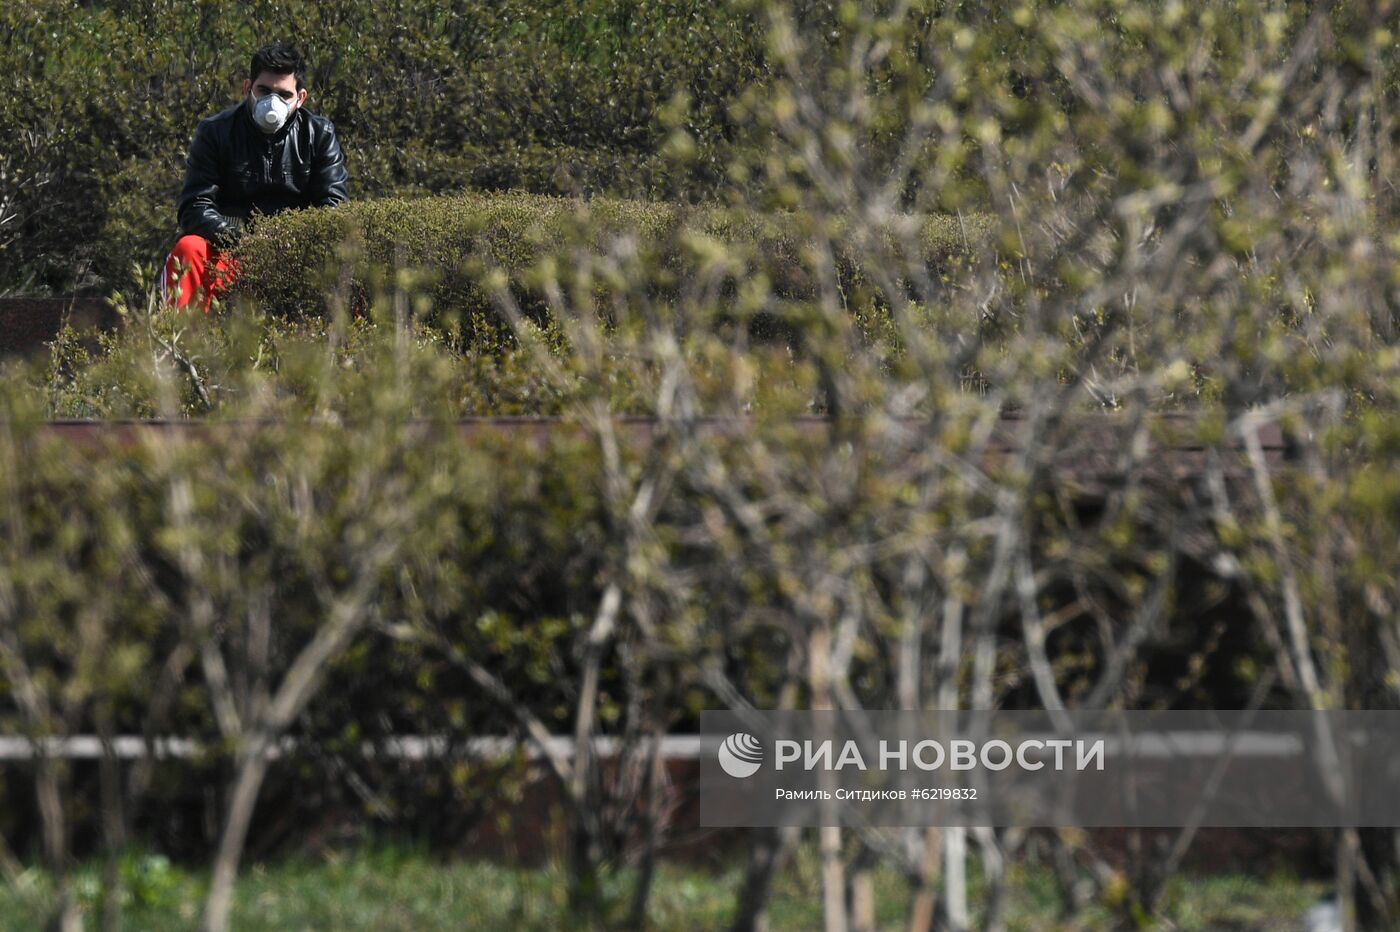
(640, 100)
(560, 98)
(291, 263)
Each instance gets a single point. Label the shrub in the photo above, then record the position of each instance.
(560, 98)
(292, 263)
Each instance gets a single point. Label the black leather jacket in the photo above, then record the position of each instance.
(234, 169)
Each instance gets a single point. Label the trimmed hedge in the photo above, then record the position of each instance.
(559, 97)
(654, 100)
(288, 260)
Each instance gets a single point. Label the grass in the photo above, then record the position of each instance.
(394, 888)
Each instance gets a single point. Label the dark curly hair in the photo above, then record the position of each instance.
(279, 58)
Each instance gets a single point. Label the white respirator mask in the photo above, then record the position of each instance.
(271, 113)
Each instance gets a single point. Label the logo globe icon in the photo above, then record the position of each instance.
(740, 755)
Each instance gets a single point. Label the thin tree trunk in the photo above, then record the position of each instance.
(347, 616)
(954, 841)
(833, 879)
(1345, 867)
(651, 829)
(583, 851)
(113, 827)
(862, 901)
(923, 912)
(252, 768)
(832, 869)
(65, 915)
(769, 849)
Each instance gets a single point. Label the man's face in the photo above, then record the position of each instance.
(283, 85)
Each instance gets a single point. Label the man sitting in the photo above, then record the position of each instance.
(267, 154)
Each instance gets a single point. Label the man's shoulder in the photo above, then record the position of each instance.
(223, 117)
(318, 122)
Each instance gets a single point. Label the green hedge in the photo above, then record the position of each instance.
(551, 96)
(558, 96)
(288, 261)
